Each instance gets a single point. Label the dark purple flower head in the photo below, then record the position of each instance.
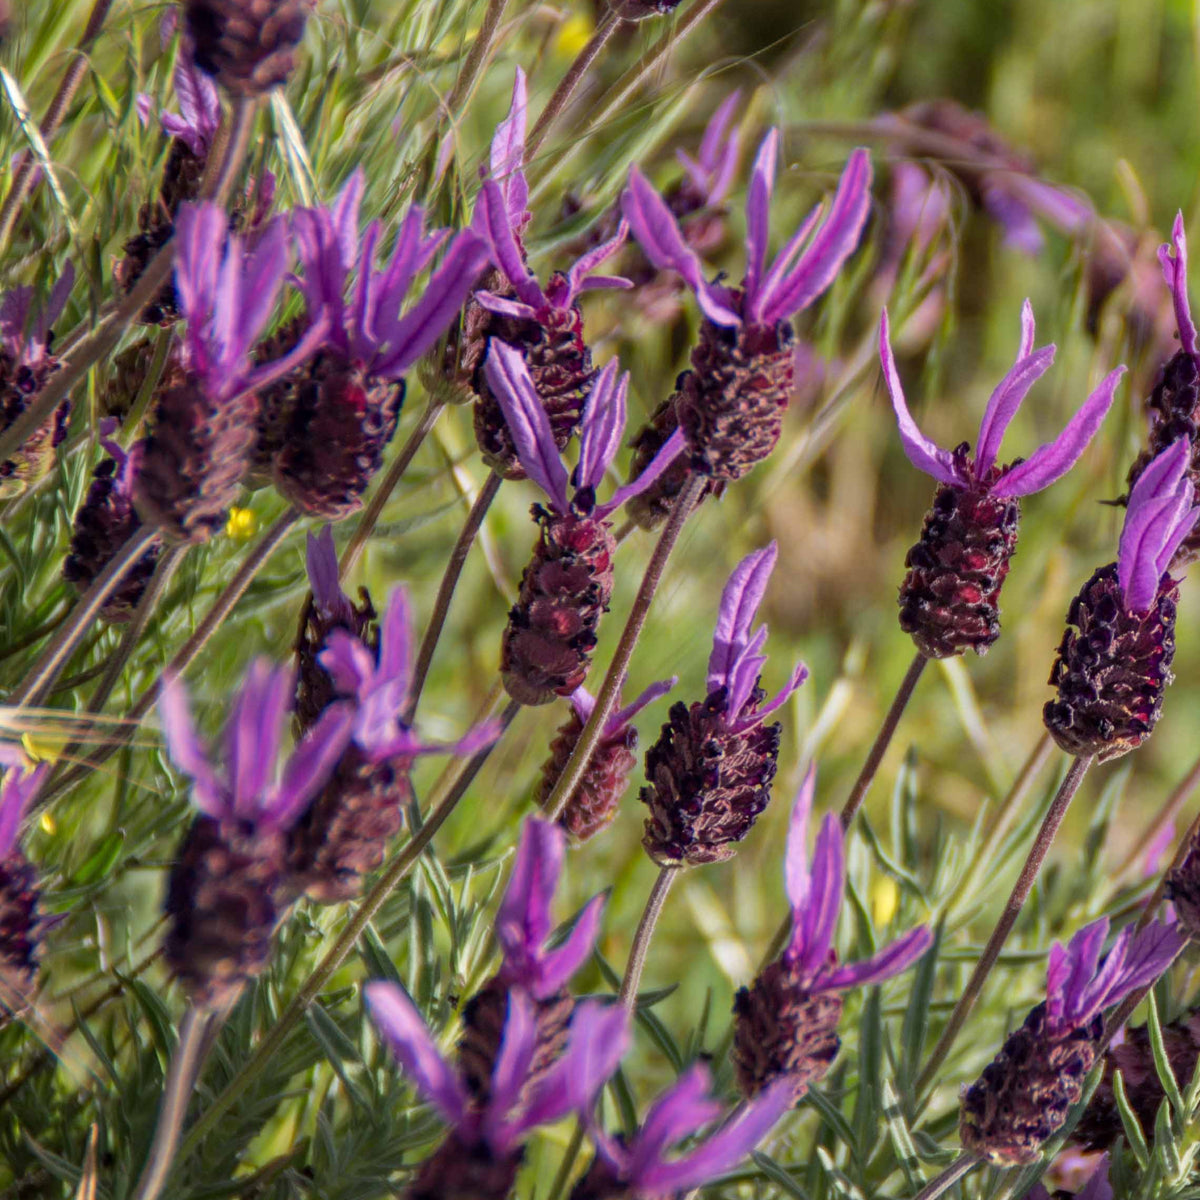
(1159, 516)
(737, 659)
(18, 786)
(379, 685)
(523, 922)
(711, 172)
(501, 216)
(1175, 273)
(602, 424)
(365, 323)
(815, 895)
(583, 702)
(24, 331)
(1043, 467)
(247, 791)
(1079, 985)
(321, 561)
(598, 1038)
(804, 268)
(199, 107)
(643, 1168)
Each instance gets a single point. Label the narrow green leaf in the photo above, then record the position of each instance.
(101, 861)
(1162, 1064)
(1133, 1127)
(901, 1138)
(778, 1175)
(1166, 1148)
(833, 1117)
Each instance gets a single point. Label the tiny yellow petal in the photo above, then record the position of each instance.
(242, 524)
(573, 35)
(885, 899)
(48, 824)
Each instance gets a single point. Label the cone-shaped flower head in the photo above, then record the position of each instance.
(709, 774)
(523, 925)
(544, 323)
(248, 46)
(21, 922)
(1114, 662)
(546, 651)
(326, 428)
(949, 601)
(482, 1152)
(221, 895)
(344, 835)
(730, 404)
(26, 363)
(786, 1021)
(645, 1169)
(1024, 1095)
(594, 803)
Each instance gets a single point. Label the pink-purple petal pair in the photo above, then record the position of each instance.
(583, 702)
(25, 328)
(321, 563)
(711, 172)
(246, 789)
(199, 107)
(1175, 273)
(19, 783)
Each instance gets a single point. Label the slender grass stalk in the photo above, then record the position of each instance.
(559, 1187)
(27, 172)
(571, 80)
(645, 933)
(393, 875)
(1012, 909)
(963, 1165)
(387, 485)
(445, 594)
(883, 739)
(606, 701)
(71, 632)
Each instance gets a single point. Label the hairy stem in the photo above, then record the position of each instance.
(645, 933)
(441, 606)
(964, 1164)
(387, 485)
(610, 690)
(394, 873)
(883, 739)
(1012, 909)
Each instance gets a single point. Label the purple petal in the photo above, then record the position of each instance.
(1158, 504)
(508, 377)
(395, 642)
(758, 210)
(1175, 273)
(366, 296)
(1082, 957)
(925, 455)
(185, 750)
(1050, 462)
(595, 283)
(725, 1149)
(797, 879)
(837, 239)
(889, 961)
(601, 425)
(508, 153)
(401, 1025)
(391, 288)
(623, 716)
(1097, 1186)
(523, 919)
(578, 275)
(60, 293)
(492, 223)
(349, 663)
(656, 231)
(17, 790)
(505, 307)
(781, 697)
(263, 274)
(742, 678)
(681, 1111)
(826, 889)
(513, 1062)
(740, 601)
(1005, 206)
(311, 765)
(199, 237)
(344, 214)
(584, 703)
(1150, 952)
(557, 966)
(717, 158)
(1058, 971)
(253, 732)
(668, 452)
(322, 564)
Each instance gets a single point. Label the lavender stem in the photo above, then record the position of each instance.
(1012, 909)
(645, 933)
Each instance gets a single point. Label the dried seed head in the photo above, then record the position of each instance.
(1183, 890)
(248, 46)
(566, 587)
(707, 781)
(1112, 668)
(221, 900)
(1026, 1092)
(20, 383)
(21, 926)
(276, 403)
(781, 1031)
(950, 598)
(465, 1170)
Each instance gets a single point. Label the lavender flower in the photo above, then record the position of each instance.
(949, 601)
(593, 804)
(523, 924)
(1024, 1095)
(21, 922)
(1096, 1188)
(248, 46)
(730, 404)
(26, 363)
(222, 890)
(482, 1152)
(544, 324)
(1114, 665)
(325, 428)
(567, 586)
(344, 835)
(642, 1170)
(709, 774)
(786, 1021)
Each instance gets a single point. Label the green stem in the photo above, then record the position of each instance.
(401, 864)
(645, 933)
(559, 1187)
(610, 690)
(1012, 910)
(964, 1164)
